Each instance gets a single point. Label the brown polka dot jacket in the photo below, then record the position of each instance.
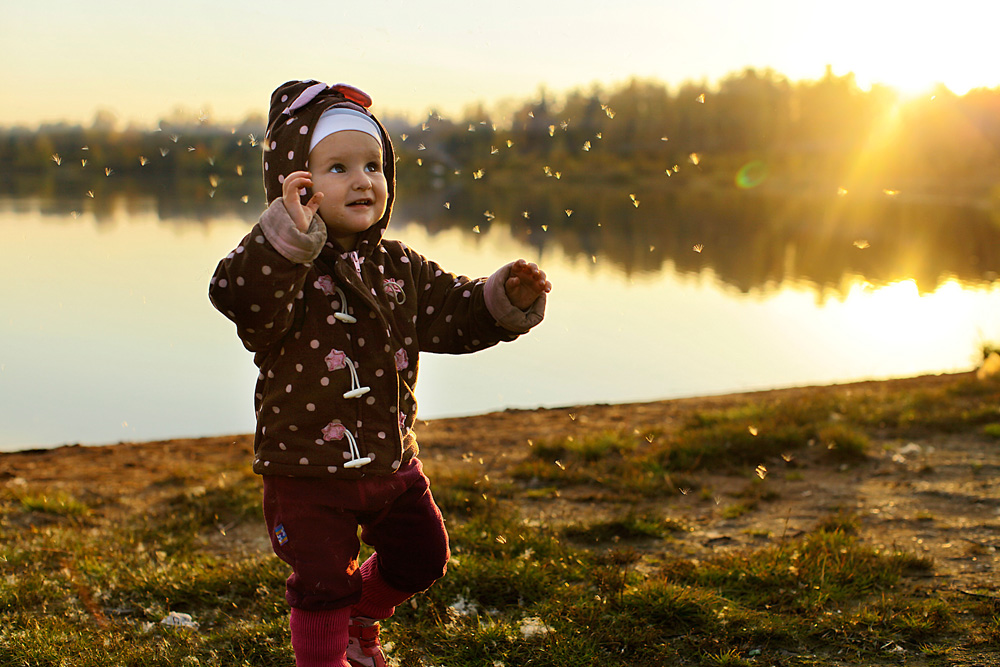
(337, 338)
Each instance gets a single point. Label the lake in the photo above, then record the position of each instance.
(107, 333)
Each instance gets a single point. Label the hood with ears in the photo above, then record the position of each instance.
(295, 109)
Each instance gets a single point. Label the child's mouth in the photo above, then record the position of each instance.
(361, 202)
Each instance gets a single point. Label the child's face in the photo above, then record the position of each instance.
(347, 168)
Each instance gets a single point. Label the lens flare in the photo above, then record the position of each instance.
(751, 175)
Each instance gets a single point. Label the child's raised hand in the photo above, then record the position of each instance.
(301, 215)
(525, 284)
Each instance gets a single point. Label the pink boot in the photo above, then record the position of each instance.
(378, 601)
(363, 647)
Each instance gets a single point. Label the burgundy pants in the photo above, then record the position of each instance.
(313, 523)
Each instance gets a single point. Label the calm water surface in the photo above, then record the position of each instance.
(107, 333)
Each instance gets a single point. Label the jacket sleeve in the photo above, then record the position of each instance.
(258, 285)
(457, 314)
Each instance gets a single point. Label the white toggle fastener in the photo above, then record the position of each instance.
(356, 388)
(357, 463)
(342, 314)
(356, 459)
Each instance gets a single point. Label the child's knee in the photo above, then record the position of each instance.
(435, 564)
(436, 557)
(417, 571)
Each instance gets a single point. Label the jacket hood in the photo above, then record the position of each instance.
(295, 109)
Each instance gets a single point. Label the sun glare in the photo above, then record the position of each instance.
(911, 50)
(892, 302)
(898, 308)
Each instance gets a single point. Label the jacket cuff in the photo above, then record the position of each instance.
(286, 238)
(506, 314)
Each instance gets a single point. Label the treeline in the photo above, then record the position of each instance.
(179, 147)
(822, 131)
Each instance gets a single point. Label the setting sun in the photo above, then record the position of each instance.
(903, 46)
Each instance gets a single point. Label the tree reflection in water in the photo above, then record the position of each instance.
(752, 240)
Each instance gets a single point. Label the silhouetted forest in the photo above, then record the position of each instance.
(751, 129)
(776, 181)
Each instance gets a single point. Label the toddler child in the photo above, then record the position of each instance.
(336, 316)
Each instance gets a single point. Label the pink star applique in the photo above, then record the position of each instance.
(334, 431)
(324, 283)
(335, 360)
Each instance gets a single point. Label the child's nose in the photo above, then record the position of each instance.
(362, 181)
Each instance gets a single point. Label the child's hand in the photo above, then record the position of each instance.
(525, 284)
(301, 215)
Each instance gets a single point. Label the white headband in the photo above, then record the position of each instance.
(338, 119)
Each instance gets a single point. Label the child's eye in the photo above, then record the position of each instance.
(373, 166)
(338, 169)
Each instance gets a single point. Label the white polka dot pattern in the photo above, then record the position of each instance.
(285, 314)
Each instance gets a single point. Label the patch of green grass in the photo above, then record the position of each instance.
(728, 658)
(543, 493)
(733, 445)
(628, 527)
(843, 522)
(756, 432)
(737, 510)
(466, 493)
(903, 621)
(802, 576)
(611, 572)
(761, 533)
(229, 500)
(98, 595)
(56, 504)
(95, 597)
(759, 490)
(951, 408)
(843, 442)
(646, 465)
(746, 413)
(719, 607)
(597, 448)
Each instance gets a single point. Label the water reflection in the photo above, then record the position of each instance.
(108, 333)
(753, 241)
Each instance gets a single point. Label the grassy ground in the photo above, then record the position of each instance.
(88, 577)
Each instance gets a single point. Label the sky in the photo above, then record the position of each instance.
(67, 59)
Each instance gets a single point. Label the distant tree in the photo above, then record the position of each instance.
(757, 108)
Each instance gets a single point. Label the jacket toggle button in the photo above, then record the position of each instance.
(357, 393)
(357, 463)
